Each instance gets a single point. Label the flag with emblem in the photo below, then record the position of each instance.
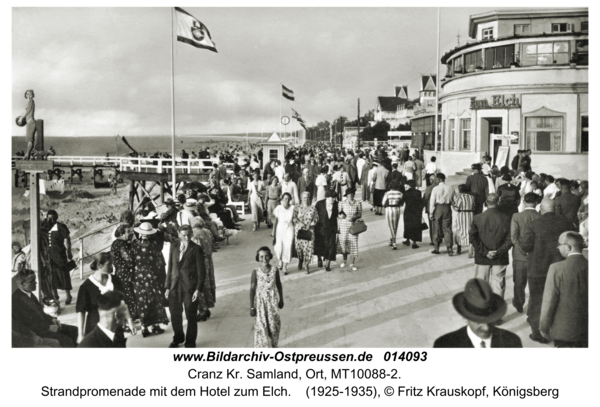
(287, 93)
(191, 31)
(295, 114)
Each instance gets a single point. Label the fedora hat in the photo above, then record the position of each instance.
(145, 229)
(478, 303)
(169, 201)
(349, 191)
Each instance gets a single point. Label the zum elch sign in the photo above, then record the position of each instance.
(498, 102)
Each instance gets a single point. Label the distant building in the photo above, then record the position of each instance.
(522, 84)
(395, 110)
(423, 124)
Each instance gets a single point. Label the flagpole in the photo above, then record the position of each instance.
(437, 87)
(280, 96)
(173, 190)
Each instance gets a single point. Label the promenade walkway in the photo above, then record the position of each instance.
(397, 298)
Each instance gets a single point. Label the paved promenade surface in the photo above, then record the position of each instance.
(397, 298)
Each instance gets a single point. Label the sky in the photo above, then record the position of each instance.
(107, 71)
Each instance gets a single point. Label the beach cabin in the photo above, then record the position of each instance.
(274, 149)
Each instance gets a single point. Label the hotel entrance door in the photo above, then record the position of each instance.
(495, 128)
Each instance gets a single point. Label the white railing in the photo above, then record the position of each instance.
(139, 164)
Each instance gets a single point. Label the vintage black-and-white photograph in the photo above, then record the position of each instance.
(300, 177)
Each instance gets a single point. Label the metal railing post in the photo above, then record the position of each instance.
(81, 259)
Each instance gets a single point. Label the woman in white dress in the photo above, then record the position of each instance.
(283, 231)
(321, 183)
(255, 199)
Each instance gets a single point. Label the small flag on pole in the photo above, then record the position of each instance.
(287, 93)
(191, 31)
(296, 114)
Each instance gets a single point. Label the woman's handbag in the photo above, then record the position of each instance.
(424, 224)
(304, 234)
(358, 227)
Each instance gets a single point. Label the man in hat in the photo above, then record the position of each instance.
(565, 315)
(490, 236)
(184, 283)
(479, 187)
(187, 213)
(539, 240)
(481, 308)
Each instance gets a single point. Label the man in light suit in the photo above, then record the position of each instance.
(538, 240)
(379, 177)
(184, 283)
(481, 308)
(517, 226)
(564, 316)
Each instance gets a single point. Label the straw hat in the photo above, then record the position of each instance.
(145, 229)
(190, 203)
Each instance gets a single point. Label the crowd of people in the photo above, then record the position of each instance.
(311, 202)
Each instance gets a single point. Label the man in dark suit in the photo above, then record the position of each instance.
(490, 236)
(481, 308)
(305, 183)
(479, 187)
(564, 316)
(184, 283)
(27, 312)
(517, 226)
(352, 172)
(395, 175)
(509, 195)
(108, 333)
(567, 204)
(539, 240)
(433, 182)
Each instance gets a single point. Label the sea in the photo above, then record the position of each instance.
(100, 145)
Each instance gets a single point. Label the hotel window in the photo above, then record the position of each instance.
(465, 134)
(561, 27)
(487, 34)
(584, 134)
(451, 133)
(473, 60)
(584, 26)
(522, 29)
(499, 57)
(544, 133)
(457, 62)
(546, 53)
(582, 52)
(443, 136)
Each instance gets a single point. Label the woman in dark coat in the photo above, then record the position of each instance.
(413, 212)
(326, 230)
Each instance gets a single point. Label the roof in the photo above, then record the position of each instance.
(275, 139)
(520, 13)
(401, 91)
(390, 103)
(425, 80)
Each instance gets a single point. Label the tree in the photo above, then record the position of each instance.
(378, 131)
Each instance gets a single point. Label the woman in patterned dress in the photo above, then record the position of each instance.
(272, 196)
(283, 231)
(148, 273)
(464, 204)
(392, 202)
(266, 299)
(203, 238)
(305, 218)
(122, 254)
(349, 211)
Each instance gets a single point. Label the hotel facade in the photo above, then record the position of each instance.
(522, 84)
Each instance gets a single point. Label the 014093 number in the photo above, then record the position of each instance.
(405, 356)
